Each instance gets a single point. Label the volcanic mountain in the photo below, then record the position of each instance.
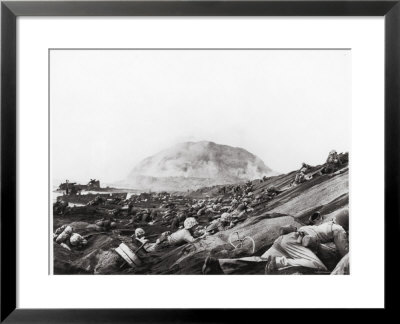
(193, 165)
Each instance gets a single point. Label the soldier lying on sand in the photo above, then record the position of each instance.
(296, 249)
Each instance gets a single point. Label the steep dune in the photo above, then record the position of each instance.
(328, 194)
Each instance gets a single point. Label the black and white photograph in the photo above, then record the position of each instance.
(199, 161)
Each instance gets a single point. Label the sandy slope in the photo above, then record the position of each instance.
(325, 193)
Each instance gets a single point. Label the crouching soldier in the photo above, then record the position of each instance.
(299, 178)
(178, 221)
(184, 235)
(223, 223)
(140, 237)
(60, 207)
(78, 241)
(272, 191)
(304, 167)
(296, 249)
(333, 162)
(62, 233)
(96, 201)
(66, 237)
(106, 224)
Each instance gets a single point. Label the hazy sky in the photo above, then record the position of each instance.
(110, 109)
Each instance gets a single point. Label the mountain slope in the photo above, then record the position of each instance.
(193, 165)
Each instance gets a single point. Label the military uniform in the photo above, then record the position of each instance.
(290, 251)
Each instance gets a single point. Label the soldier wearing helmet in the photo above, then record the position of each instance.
(342, 219)
(225, 222)
(300, 248)
(310, 239)
(221, 224)
(304, 167)
(333, 162)
(78, 241)
(177, 221)
(241, 207)
(332, 157)
(189, 223)
(225, 217)
(184, 235)
(139, 237)
(66, 237)
(300, 177)
(139, 232)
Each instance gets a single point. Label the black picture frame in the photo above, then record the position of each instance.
(10, 10)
